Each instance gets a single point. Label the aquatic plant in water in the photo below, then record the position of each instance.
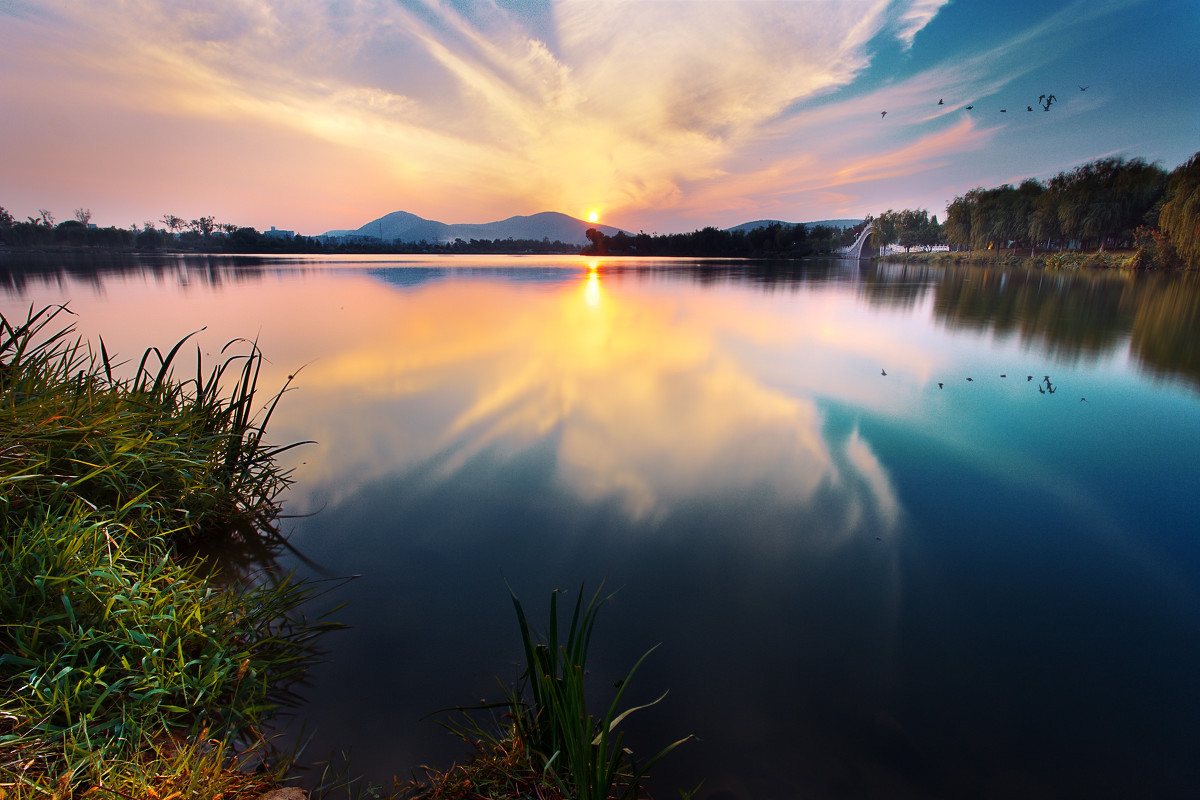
(551, 744)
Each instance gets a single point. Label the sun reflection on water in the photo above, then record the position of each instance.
(591, 290)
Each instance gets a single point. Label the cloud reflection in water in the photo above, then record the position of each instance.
(640, 392)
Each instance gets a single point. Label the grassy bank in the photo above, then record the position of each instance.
(128, 663)
(1050, 259)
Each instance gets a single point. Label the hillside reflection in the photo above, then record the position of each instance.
(1082, 314)
(1071, 315)
(20, 274)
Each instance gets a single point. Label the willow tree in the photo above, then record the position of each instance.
(998, 217)
(1043, 221)
(957, 226)
(884, 230)
(1103, 199)
(909, 228)
(1180, 215)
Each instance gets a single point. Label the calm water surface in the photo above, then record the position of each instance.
(941, 582)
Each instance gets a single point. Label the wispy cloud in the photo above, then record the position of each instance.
(915, 17)
(623, 106)
(662, 113)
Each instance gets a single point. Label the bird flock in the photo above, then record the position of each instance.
(1045, 385)
(1045, 101)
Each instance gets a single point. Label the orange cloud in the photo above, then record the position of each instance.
(462, 111)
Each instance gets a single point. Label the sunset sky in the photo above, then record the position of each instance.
(658, 115)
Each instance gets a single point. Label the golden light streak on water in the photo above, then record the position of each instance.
(591, 292)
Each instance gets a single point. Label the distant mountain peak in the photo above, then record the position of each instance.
(764, 223)
(403, 226)
(406, 227)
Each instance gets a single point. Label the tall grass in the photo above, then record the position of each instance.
(114, 642)
(591, 764)
(180, 457)
(552, 744)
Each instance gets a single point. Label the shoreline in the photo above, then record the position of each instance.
(1125, 260)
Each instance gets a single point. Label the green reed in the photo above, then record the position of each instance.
(551, 738)
(112, 640)
(186, 456)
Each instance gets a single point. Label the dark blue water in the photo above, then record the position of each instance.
(861, 585)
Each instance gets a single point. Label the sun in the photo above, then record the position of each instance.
(593, 215)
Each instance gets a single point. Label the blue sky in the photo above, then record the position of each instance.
(662, 115)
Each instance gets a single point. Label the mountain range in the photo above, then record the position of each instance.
(762, 223)
(405, 227)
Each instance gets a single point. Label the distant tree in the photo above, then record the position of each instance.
(912, 228)
(993, 221)
(174, 224)
(931, 233)
(245, 240)
(84, 215)
(6, 219)
(1107, 198)
(72, 232)
(1179, 218)
(596, 248)
(957, 228)
(1043, 224)
(909, 228)
(823, 239)
(150, 238)
(44, 218)
(203, 226)
(884, 230)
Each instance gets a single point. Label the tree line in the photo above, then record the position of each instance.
(203, 235)
(1096, 205)
(206, 235)
(776, 240)
(1108, 203)
(1103, 204)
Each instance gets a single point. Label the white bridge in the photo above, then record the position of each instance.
(861, 248)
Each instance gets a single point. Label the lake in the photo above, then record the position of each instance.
(899, 531)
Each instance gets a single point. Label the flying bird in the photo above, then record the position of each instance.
(883, 372)
(1045, 101)
(969, 108)
(1004, 111)
(1083, 88)
(970, 379)
(1029, 108)
(939, 101)
(882, 114)
(939, 385)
